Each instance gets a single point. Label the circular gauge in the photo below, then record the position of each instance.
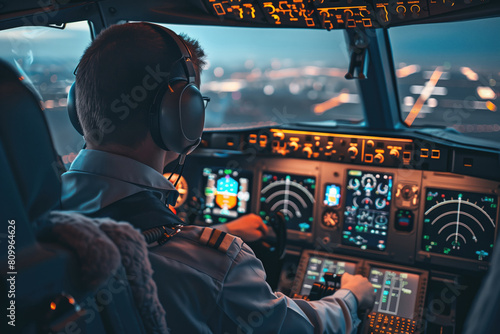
(330, 218)
(181, 187)
(382, 189)
(380, 203)
(353, 184)
(459, 224)
(366, 202)
(368, 181)
(381, 220)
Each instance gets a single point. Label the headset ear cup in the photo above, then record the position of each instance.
(73, 116)
(182, 117)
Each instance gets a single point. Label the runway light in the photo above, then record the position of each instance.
(218, 72)
(407, 70)
(470, 74)
(342, 98)
(268, 90)
(486, 93)
(491, 106)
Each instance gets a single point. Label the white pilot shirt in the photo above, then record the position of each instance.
(203, 289)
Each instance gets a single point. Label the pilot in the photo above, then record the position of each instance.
(132, 82)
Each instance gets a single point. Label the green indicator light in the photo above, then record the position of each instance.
(223, 220)
(262, 213)
(311, 219)
(227, 171)
(262, 199)
(346, 236)
(207, 216)
(429, 198)
(494, 206)
(288, 177)
(426, 237)
(264, 179)
(313, 186)
(460, 195)
(427, 220)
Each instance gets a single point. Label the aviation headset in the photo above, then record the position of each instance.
(177, 115)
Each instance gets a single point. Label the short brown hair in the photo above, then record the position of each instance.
(118, 77)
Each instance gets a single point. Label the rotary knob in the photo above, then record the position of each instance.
(294, 145)
(378, 158)
(307, 151)
(394, 153)
(353, 152)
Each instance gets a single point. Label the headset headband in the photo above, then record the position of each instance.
(184, 53)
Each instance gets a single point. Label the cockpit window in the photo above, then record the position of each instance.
(449, 76)
(258, 77)
(46, 57)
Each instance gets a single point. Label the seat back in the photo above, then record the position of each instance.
(48, 293)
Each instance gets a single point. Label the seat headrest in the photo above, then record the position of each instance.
(28, 145)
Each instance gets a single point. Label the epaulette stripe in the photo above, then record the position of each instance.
(219, 240)
(214, 237)
(226, 243)
(205, 236)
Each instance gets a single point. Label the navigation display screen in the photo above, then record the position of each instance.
(227, 194)
(293, 195)
(318, 266)
(368, 204)
(395, 292)
(459, 223)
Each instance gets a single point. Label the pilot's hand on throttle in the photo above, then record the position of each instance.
(361, 288)
(248, 227)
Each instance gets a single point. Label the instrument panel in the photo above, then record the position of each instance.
(392, 213)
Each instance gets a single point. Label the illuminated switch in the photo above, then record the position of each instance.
(436, 154)
(263, 140)
(406, 157)
(369, 158)
(252, 139)
(424, 152)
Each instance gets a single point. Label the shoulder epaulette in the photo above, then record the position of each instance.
(216, 239)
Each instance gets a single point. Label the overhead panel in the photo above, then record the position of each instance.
(334, 14)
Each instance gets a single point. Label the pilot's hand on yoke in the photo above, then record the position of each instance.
(248, 227)
(361, 288)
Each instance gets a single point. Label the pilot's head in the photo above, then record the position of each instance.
(119, 77)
